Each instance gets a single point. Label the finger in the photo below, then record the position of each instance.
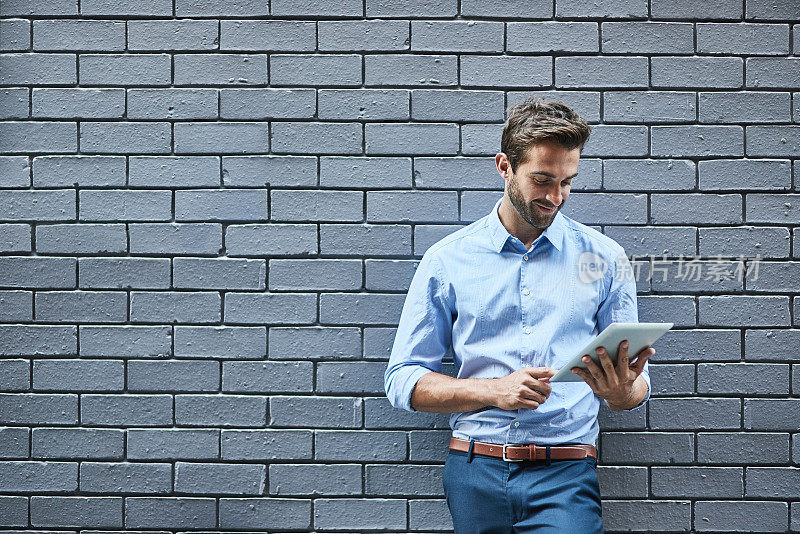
(610, 375)
(586, 377)
(594, 370)
(642, 358)
(540, 372)
(622, 358)
(540, 386)
(533, 395)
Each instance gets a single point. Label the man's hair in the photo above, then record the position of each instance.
(536, 120)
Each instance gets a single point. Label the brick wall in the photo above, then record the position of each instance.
(211, 211)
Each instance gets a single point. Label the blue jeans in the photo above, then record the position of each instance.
(491, 496)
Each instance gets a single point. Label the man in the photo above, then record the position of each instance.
(509, 296)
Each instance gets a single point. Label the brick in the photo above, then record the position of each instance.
(89, 306)
(350, 377)
(169, 444)
(173, 104)
(207, 478)
(170, 512)
(315, 412)
(272, 103)
(14, 442)
(15, 511)
(417, 480)
(14, 104)
(653, 448)
(221, 138)
(456, 105)
(428, 445)
(31, 477)
(55, 103)
(347, 8)
(436, 173)
(412, 138)
(316, 138)
(649, 515)
(112, 478)
(37, 69)
(127, 410)
(379, 414)
(733, 310)
(271, 239)
(301, 479)
(76, 511)
(15, 375)
(220, 69)
(614, 9)
(429, 513)
(737, 515)
(121, 341)
(611, 141)
(15, 238)
(360, 308)
(220, 204)
(363, 35)
(411, 8)
(266, 444)
(620, 208)
(358, 239)
(78, 375)
(61, 7)
(343, 70)
(172, 375)
(771, 141)
(671, 72)
(707, 414)
(656, 107)
(742, 448)
(267, 377)
(771, 414)
(551, 36)
(38, 409)
(257, 171)
(364, 104)
(360, 513)
(509, 71)
(274, 308)
(412, 206)
(768, 344)
(220, 342)
(410, 70)
(79, 35)
(46, 340)
(327, 343)
(125, 137)
(265, 513)
(335, 206)
(210, 8)
(15, 171)
(66, 171)
(40, 136)
(125, 205)
(672, 9)
(388, 275)
(16, 35)
(175, 35)
(125, 69)
(480, 139)
(772, 72)
(648, 175)
(622, 482)
(772, 208)
(219, 273)
(315, 274)
(736, 378)
(698, 482)
(267, 35)
(647, 38)
(772, 482)
(586, 71)
(118, 273)
(457, 36)
(358, 446)
(223, 410)
(109, 7)
(365, 172)
(81, 238)
(732, 174)
(760, 9)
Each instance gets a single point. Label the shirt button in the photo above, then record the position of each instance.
(516, 424)
(526, 291)
(527, 330)
(525, 257)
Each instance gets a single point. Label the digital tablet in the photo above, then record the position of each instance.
(639, 336)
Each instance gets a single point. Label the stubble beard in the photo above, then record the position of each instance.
(529, 212)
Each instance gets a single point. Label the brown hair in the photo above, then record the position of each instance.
(536, 120)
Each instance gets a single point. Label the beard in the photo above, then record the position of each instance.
(529, 212)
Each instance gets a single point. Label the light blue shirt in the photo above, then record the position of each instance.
(497, 307)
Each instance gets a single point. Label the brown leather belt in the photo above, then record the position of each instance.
(525, 452)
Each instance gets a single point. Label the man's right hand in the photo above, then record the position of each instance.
(525, 388)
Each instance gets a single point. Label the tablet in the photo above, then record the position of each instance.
(639, 336)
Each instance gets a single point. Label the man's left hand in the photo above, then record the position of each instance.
(611, 382)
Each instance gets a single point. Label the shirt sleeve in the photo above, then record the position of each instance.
(424, 334)
(619, 305)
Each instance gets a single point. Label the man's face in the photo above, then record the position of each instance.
(542, 183)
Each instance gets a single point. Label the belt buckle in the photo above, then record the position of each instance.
(505, 457)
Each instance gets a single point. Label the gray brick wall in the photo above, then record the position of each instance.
(210, 213)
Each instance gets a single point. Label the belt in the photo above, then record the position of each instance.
(512, 452)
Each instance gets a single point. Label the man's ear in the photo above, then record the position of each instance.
(503, 165)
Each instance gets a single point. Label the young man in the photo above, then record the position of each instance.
(507, 296)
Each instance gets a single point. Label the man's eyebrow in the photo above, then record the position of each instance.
(550, 175)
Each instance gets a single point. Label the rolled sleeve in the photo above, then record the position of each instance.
(619, 305)
(424, 334)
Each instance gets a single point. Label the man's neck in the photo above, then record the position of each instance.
(516, 225)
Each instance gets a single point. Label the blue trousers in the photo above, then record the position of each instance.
(491, 496)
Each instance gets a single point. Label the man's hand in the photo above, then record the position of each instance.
(614, 383)
(525, 388)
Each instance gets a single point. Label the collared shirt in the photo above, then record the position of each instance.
(497, 307)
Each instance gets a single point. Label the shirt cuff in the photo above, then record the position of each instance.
(406, 377)
(646, 377)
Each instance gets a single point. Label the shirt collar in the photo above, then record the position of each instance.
(499, 235)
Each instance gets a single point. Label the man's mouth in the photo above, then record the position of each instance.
(545, 208)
